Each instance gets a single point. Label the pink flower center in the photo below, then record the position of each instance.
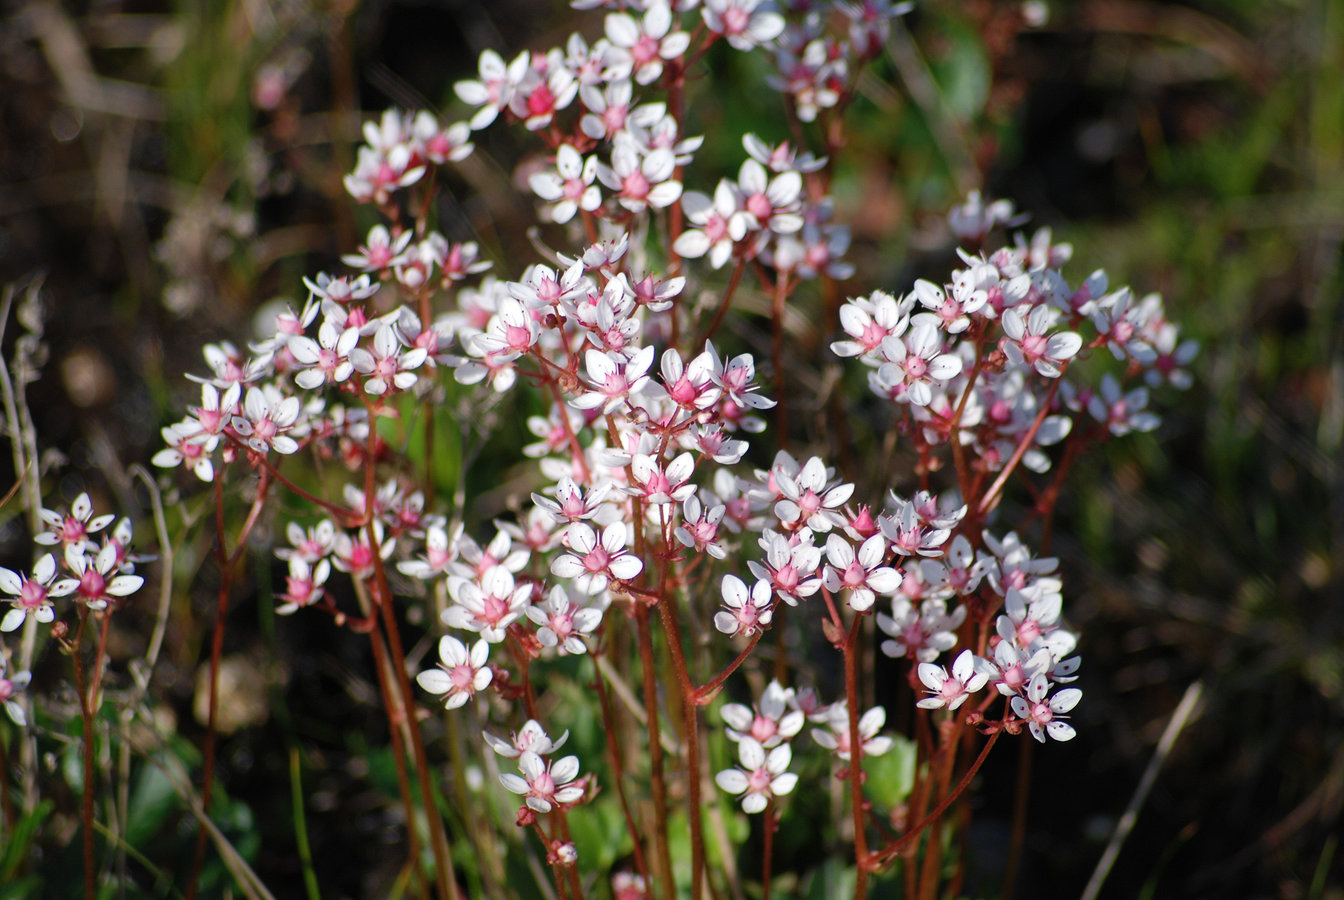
(32, 595)
(72, 530)
(300, 591)
(1027, 632)
(635, 186)
(683, 392)
(716, 229)
(597, 560)
(915, 367)
(517, 337)
(644, 51)
(759, 206)
(541, 102)
(463, 678)
(762, 729)
(495, 609)
(1033, 346)
(563, 625)
(809, 503)
(92, 585)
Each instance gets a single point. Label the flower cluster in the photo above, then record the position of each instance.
(98, 571)
(641, 505)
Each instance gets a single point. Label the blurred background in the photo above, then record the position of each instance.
(168, 170)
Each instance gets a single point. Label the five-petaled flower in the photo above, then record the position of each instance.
(543, 785)
(31, 594)
(1045, 716)
(97, 578)
(591, 563)
(761, 777)
(462, 673)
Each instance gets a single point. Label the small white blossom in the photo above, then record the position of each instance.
(951, 691)
(761, 777)
(461, 673)
(1045, 717)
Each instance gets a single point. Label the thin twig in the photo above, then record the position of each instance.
(1184, 710)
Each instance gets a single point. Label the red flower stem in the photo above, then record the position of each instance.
(86, 716)
(575, 448)
(777, 353)
(382, 598)
(663, 856)
(690, 739)
(856, 761)
(609, 727)
(227, 562)
(991, 496)
(560, 892)
(767, 850)
(887, 853)
(394, 715)
(1017, 837)
(959, 452)
(726, 302)
(705, 693)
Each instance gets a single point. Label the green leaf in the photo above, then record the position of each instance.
(891, 776)
(152, 800)
(15, 851)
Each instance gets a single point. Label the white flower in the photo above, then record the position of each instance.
(639, 47)
(9, 687)
(461, 674)
(761, 777)
(746, 24)
(489, 607)
(612, 378)
(544, 785)
(74, 527)
(975, 218)
(835, 737)
(719, 225)
(747, 612)
(569, 187)
(968, 676)
(93, 571)
(267, 416)
(640, 178)
(563, 624)
(809, 499)
(916, 360)
(530, 737)
(700, 526)
(493, 90)
(1028, 343)
(390, 366)
(790, 565)
(660, 484)
(920, 632)
(862, 573)
(31, 594)
(1121, 412)
(327, 360)
(440, 550)
(1044, 717)
(775, 719)
(303, 584)
(590, 563)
